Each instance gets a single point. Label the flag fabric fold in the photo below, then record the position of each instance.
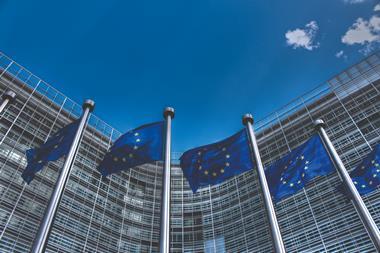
(54, 148)
(292, 172)
(136, 147)
(214, 163)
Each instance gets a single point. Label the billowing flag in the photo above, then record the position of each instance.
(54, 148)
(214, 163)
(292, 172)
(366, 176)
(139, 146)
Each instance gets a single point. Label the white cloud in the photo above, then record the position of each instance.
(377, 7)
(354, 1)
(339, 54)
(375, 23)
(363, 32)
(303, 38)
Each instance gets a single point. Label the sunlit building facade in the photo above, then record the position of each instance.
(121, 213)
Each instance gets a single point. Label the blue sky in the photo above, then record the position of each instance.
(212, 60)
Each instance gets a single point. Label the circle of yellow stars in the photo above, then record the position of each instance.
(305, 168)
(374, 175)
(214, 173)
(130, 155)
(54, 147)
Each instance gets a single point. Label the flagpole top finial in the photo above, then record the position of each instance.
(247, 118)
(10, 95)
(88, 103)
(319, 123)
(169, 111)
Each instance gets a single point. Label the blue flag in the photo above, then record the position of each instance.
(292, 172)
(54, 148)
(214, 163)
(139, 146)
(366, 176)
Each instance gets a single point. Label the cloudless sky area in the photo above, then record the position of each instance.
(212, 60)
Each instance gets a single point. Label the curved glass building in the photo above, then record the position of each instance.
(121, 213)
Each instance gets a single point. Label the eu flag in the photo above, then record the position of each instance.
(366, 176)
(214, 163)
(141, 145)
(292, 172)
(54, 148)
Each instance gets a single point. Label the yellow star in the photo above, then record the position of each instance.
(130, 155)
(115, 159)
(222, 171)
(206, 172)
(227, 164)
(138, 140)
(291, 184)
(214, 174)
(136, 134)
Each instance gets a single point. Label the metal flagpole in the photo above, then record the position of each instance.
(361, 208)
(40, 241)
(8, 97)
(274, 228)
(165, 197)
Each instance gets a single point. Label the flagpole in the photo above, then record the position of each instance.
(8, 97)
(165, 197)
(275, 229)
(41, 239)
(361, 208)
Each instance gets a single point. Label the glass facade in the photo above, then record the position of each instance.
(121, 213)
